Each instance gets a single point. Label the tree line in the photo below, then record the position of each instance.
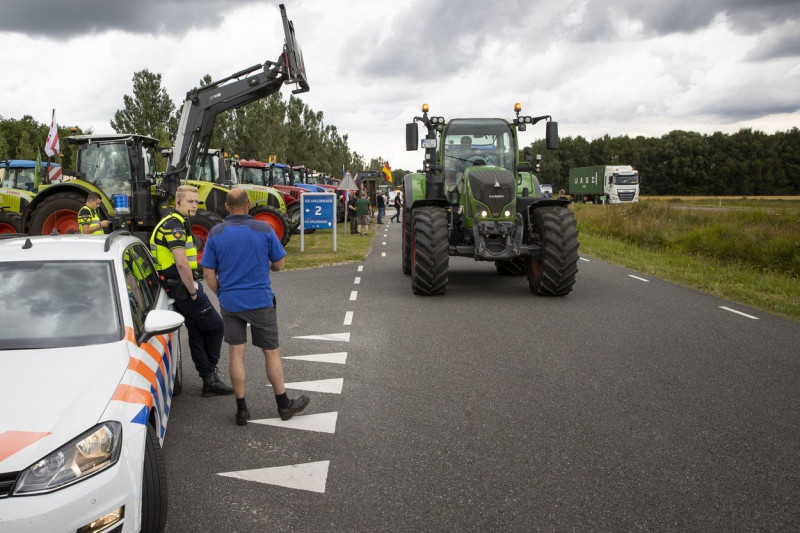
(745, 163)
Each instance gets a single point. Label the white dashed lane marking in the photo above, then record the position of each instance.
(738, 312)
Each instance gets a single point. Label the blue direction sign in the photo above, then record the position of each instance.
(318, 210)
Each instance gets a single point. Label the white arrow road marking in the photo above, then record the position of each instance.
(307, 476)
(637, 277)
(321, 422)
(334, 357)
(331, 386)
(738, 312)
(348, 318)
(345, 337)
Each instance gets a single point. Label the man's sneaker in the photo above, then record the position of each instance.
(212, 386)
(297, 405)
(242, 417)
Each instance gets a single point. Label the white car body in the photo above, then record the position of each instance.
(52, 395)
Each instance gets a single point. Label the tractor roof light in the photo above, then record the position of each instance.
(517, 107)
(425, 108)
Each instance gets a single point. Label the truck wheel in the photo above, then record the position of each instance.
(511, 267)
(551, 272)
(10, 222)
(429, 252)
(154, 485)
(202, 222)
(406, 242)
(58, 212)
(276, 219)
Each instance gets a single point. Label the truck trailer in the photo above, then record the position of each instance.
(604, 184)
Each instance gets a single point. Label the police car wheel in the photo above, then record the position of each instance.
(154, 485)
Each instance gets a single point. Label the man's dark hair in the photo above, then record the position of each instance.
(92, 196)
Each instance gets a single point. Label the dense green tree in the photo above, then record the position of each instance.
(150, 109)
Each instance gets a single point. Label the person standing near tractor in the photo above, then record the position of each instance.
(88, 220)
(363, 212)
(351, 212)
(381, 201)
(237, 260)
(175, 258)
(398, 205)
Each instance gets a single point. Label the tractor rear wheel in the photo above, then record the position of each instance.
(552, 271)
(511, 267)
(276, 219)
(10, 222)
(429, 251)
(58, 212)
(293, 216)
(406, 222)
(202, 222)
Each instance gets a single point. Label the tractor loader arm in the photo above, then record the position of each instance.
(201, 107)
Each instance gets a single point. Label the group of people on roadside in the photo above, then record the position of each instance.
(360, 210)
(237, 259)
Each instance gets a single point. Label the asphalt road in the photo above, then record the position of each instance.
(630, 404)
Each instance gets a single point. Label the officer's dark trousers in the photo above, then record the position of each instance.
(205, 329)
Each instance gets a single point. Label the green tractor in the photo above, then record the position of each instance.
(476, 198)
(18, 185)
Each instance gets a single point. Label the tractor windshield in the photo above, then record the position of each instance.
(107, 166)
(280, 176)
(468, 142)
(252, 175)
(204, 168)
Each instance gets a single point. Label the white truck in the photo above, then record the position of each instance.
(604, 184)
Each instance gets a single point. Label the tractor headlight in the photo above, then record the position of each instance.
(506, 213)
(484, 214)
(92, 452)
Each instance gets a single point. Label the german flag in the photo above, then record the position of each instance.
(387, 170)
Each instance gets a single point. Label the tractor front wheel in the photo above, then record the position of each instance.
(407, 238)
(552, 270)
(429, 251)
(276, 219)
(202, 222)
(10, 222)
(57, 213)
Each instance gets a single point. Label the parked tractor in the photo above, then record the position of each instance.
(121, 167)
(18, 185)
(475, 198)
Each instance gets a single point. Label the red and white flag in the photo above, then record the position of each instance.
(52, 146)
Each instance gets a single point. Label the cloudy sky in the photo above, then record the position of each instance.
(617, 67)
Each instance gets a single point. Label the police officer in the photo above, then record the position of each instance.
(175, 257)
(88, 220)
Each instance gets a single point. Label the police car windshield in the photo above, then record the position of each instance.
(54, 304)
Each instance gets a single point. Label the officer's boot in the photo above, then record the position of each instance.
(213, 386)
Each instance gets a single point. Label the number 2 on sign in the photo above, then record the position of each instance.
(318, 210)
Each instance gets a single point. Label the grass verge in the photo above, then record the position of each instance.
(318, 248)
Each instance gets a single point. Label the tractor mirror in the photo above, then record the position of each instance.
(412, 136)
(552, 135)
(527, 154)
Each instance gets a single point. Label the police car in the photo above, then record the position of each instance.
(90, 360)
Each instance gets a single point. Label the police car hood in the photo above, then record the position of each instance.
(49, 397)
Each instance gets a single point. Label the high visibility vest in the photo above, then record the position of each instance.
(162, 237)
(88, 216)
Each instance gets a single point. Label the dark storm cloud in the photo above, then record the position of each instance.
(61, 19)
(440, 37)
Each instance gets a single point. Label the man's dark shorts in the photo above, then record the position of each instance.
(263, 327)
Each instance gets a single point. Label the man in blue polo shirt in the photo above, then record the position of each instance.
(237, 259)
